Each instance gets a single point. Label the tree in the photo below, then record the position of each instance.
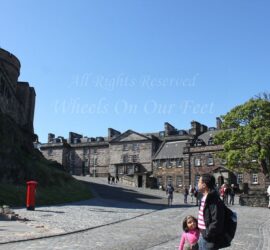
(245, 136)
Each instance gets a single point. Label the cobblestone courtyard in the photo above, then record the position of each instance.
(123, 218)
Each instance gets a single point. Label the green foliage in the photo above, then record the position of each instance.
(246, 136)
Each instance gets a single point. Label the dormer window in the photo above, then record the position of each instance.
(211, 141)
(199, 143)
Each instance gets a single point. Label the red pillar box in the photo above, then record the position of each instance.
(30, 195)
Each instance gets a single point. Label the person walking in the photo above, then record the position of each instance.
(211, 214)
(190, 236)
(191, 192)
(185, 194)
(268, 192)
(232, 194)
(169, 192)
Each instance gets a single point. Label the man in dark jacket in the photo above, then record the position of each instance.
(211, 214)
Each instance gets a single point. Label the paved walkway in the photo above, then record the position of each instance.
(109, 224)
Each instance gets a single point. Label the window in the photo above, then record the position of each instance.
(197, 162)
(125, 158)
(85, 151)
(159, 181)
(223, 161)
(130, 170)
(211, 141)
(134, 158)
(169, 180)
(85, 163)
(180, 163)
(168, 163)
(210, 160)
(199, 143)
(158, 164)
(255, 179)
(50, 151)
(120, 169)
(239, 178)
(135, 147)
(179, 181)
(125, 147)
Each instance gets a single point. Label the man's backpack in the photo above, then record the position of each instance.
(230, 225)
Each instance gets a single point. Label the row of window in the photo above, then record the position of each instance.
(178, 182)
(129, 158)
(133, 147)
(254, 178)
(200, 142)
(170, 163)
(87, 150)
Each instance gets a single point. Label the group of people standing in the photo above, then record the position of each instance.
(112, 179)
(227, 192)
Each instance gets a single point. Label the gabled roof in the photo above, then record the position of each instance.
(170, 150)
(130, 135)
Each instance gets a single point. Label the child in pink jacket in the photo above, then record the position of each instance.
(190, 236)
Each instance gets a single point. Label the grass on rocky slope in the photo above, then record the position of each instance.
(20, 162)
(15, 195)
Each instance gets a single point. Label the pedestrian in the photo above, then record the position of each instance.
(190, 236)
(222, 191)
(109, 178)
(196, 195)
(169, 192)
(185, 194)
(268, 192)
(232, 194)
(226, 194)
(211, 214)
(113, 179)
(191, 192)
(117, 178)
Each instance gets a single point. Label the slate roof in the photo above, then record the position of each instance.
(170, 150)
(207, 135)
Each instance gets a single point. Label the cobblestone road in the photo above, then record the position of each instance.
(117, 224)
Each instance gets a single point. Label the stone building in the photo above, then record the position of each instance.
(57, 149)
(17, 98)
(131, 157)
(171, 156)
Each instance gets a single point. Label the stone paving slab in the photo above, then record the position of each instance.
(57, 220)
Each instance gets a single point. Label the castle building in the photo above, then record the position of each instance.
(17, 98)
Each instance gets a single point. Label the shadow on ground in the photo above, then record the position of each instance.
(119, 197)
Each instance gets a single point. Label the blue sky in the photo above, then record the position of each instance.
(136, 64)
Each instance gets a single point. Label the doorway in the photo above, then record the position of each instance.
(140, 180)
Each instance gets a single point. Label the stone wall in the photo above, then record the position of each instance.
(256, 199)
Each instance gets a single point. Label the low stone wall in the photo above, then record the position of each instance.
(254, 200)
